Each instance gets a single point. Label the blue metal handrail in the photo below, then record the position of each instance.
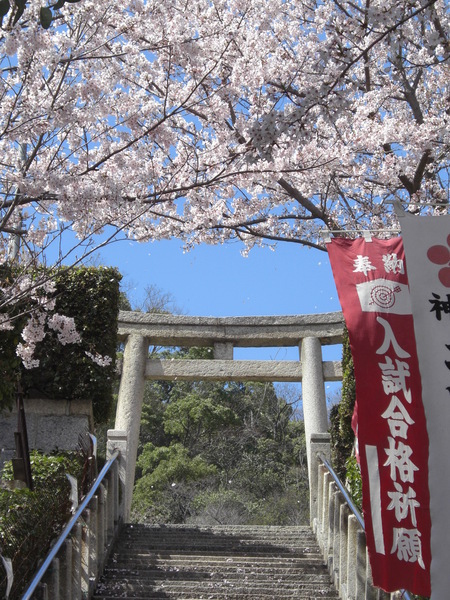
(68, 528)
(352, 505)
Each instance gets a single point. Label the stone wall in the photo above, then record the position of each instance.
(51, 424)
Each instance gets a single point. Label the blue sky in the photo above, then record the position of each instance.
(219, 281)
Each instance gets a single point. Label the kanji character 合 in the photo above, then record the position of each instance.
(398, 418)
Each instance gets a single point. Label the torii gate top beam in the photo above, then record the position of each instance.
(244, 332)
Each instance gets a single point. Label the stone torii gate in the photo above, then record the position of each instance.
(139, 330)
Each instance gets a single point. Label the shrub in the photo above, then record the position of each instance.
(31, 520)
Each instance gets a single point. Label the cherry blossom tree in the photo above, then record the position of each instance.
(209, 121)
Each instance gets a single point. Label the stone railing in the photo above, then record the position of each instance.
(339, 529)
(76, 560)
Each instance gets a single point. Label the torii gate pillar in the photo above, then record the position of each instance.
(129, 407)
(313, 391)
(315, 413)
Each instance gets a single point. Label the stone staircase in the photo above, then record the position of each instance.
(223, 562)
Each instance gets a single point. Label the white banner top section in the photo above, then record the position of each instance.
(427, 253)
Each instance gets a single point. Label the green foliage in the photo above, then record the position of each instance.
(9, 361)
(91, 297)
(342, 436)
(222, 506)
(214, 452)
(169, 476)
(30, 521)
(167, 465)
(353, 481)
(45, 468)
(192, 416)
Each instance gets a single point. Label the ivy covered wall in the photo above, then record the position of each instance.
(91, 296)
(342, 436)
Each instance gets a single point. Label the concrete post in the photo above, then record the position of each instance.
(129, 406)
(313, 392)
(101, 529)
(326, 516)
(352, 556)
(76, 561)
(109, 524)
(317, 526)
(86, 553)
(361, 569)
(117, 440)
(331, 532)
(65, 568)
(53, 580)
(343, 550)
(371, 591)
(320, 444)
(336, 538)
(93, 541)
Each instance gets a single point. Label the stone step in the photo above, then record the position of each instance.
(215, 571)
(232, 563)
(222, 594)
(217, 590)
(224, 562)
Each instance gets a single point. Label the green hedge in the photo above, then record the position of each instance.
(9, 361)
(91, 296)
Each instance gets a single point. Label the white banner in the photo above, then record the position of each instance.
(427, 253)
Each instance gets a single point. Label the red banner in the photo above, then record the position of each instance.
(392, 437)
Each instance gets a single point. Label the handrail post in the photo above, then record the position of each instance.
(326, 519)
(53, 579)
(320, 445)
(331, 503)
(65, 570)
(85, 552)
(336, 536)
(93, 543)
(101, 528)
(118, 440)
(76, 561)
(352, 563)
(318, 526)
(343, 550)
